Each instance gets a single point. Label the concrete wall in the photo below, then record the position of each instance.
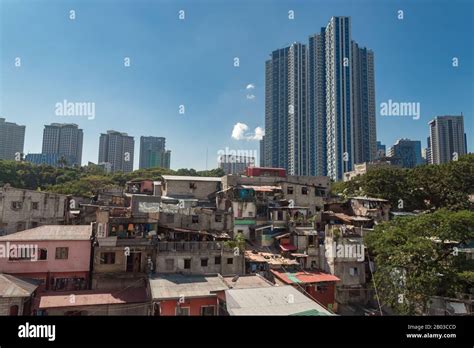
(182, 187)
(237, 266)
(50, 210)
(7, 302)
(78, 258)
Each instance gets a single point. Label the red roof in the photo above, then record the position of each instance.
(307, 277)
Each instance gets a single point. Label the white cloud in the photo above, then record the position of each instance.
(250, 96)
(239, 132)
(250, 86)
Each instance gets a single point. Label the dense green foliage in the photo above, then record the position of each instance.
(419, 257)
(424, 187)
(84, 181)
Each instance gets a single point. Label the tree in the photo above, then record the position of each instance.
(416, 258)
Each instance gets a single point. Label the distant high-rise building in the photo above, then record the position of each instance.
(317, 103)
(363, 100)
(276, 109)
(153, 153)
(320, 104)
(117, 149)
(409, 152)
(63, 139)
(447, 138)
(12, 140)
(262, 152)
(381, 150)
(235, 164)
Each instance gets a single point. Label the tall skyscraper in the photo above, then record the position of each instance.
(317, 103)
(276, 109)
(12, 140)
(320, 104)
(339, 132)
(408, 151)
(117, 149)
(153, 153)
(363, 87)
(299, 136)
(63, 139)
(447, 138)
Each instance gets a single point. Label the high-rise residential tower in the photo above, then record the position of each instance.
(12, 140)
(447, 139)
(320, 104)
(65, 140)
(117, 149)
(153, 153)
(276, 109)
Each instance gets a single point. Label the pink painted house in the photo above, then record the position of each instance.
(58, 255)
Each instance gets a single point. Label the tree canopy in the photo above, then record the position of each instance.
(420, 257)
(423, 187)
(82, 181)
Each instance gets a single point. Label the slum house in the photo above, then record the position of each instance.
(307, 191)
(178, 294)
(58, 256)
(126, 301)
(345, 257)
(16, 295)
(124, 250)
(22, 209)
(319, 286)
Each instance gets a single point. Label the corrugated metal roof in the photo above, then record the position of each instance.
(52, 232)
(174, 286)
(276, 300)
(190, 178)
(11, 286)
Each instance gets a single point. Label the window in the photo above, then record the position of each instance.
(62, 253)
(319, 192)
(250, 213)
(195, 219)
(218, 218)
(42, 254)
(289, 190)
(203, 262)
(353, 271)
(34, 205)
(217, 260)
(107, 258)
(17, 205)
(169, 264)
(20, 226)
(279, 215)
(187, 263)
(192, 185)
(182, 311)
(304, 190)
(230, 261)
(208, 310)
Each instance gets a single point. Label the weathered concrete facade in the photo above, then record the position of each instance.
(24, 209)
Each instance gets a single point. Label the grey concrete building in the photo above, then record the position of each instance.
(447, 139)
(64, 139)
(117, 149)
(24, 209)
(12, 140)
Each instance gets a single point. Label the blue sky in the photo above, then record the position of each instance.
(190, 62)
